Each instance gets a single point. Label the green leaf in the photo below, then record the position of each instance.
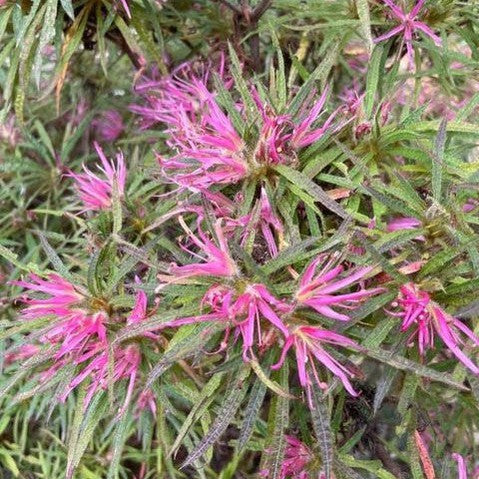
(438, 161)
(5, 14)
(116, 207)
(400, 362)
(452, 126)
(119, 438)
(184, 345)
(273, 385)
(84, 433)
(241, 85)
(251, 412)
(199, 409)
(280, 86)
(411, 383)
(372, 79)
(224, 417)
(314, 190)
(365, 28)
(370, 466)
(68, 7)
(272, 458)
(46, 36)
(322, 428)
(383, 386)
(52, 255)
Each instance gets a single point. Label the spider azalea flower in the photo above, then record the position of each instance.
(280, 137)
(309, 346)
(408, 25)
(79, 337)
(267, 222)
(297, 456)
(321, 290)
(426, 319)
(73, 328)
(61, 300)
(96, 193)
(126, 362)
(210, 148)
(402, 223)
(109, 125)
(243, 312)
(296, 462)
(217, 260)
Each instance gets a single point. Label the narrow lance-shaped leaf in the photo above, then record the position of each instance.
(303, 182)
(405, 364)
(372, 80)
(272, 458)
(224, 417)
(119, 438)
(198, 410)
(438, 161)
(185, 346)
(365, 19)
(322, 429)
(251, 412)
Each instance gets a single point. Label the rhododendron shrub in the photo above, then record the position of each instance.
(239, 239)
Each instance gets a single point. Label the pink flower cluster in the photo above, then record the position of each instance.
(297, 461)
(77, 335)
(97, 193)
(427, 319)
(408, 25)
(244, 306)
(210, 148)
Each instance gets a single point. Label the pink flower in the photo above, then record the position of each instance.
(78, 336)
(146, 399)
(470, 205)
(217, 259)
(109, 126)
(352, 99)
(9, 133)
(269, 222)
(210, 150)
(297, 456)
(124, 4)
(249, 307)
(280, 137)
(75, 332)
(405, 223)
(318, 290)
(96, 193)
(427, 318)
(303, 135)
(62, 296)
(408, 25)
(266, 221)
(126, 361)
(73, 329)
(243, 311)
(138, 313)
(461, 466)
(308, 344)
(25, 351)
